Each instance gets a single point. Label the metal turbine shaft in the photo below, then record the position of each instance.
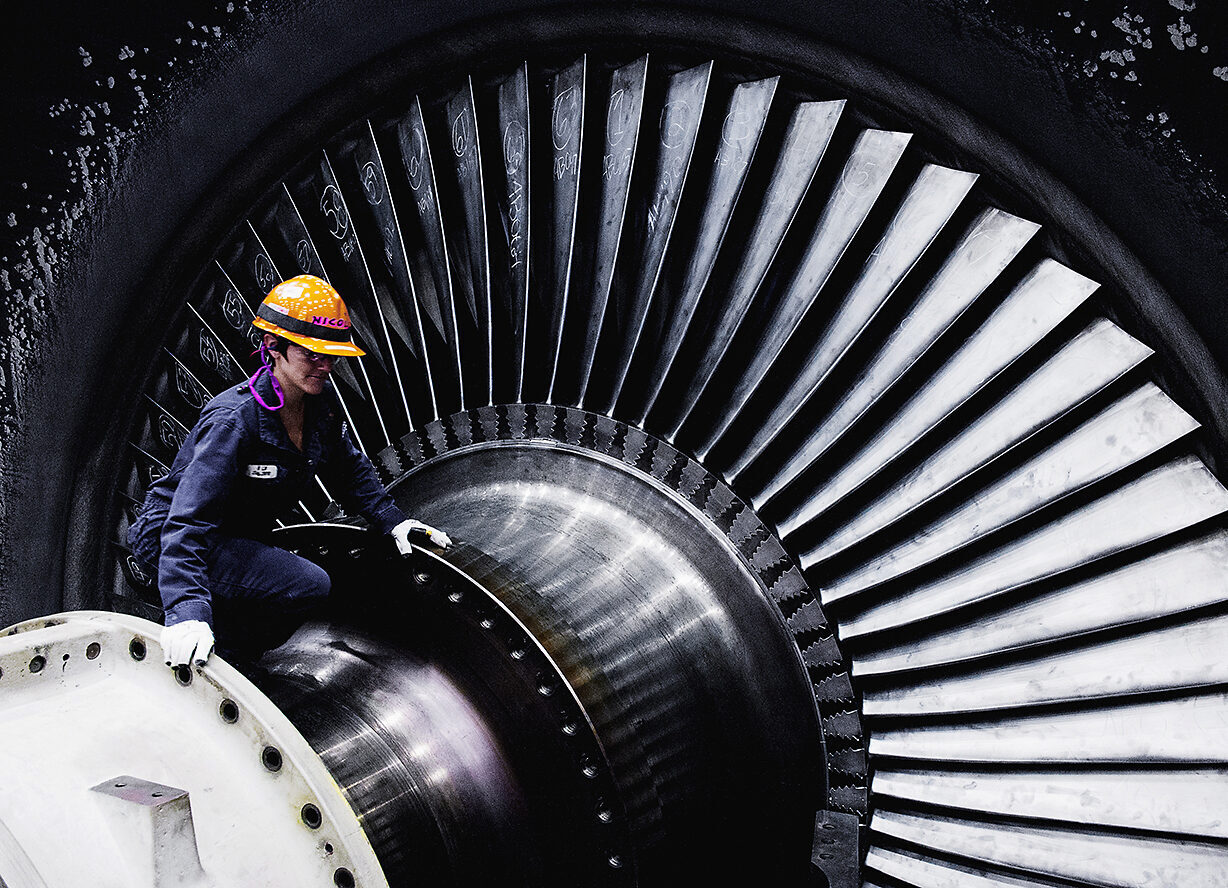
(606, 696)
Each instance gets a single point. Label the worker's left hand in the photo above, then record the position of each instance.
(188, 642)
(401, 533)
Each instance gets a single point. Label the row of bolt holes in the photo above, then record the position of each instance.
(545, 687)
(270, 756)
(39, 663)
(827, 855)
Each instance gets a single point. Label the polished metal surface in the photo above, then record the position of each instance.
(515, 213)
(604, 693)
(925, 210)
(810, 130)
(676, 135)
(1137, 592)
(564, 149)
(861, 181)
(984, 252)
(1075, 855)
(622, 132)
(422, 765)
(686, 669)
(1177, 802)
(741, 131)
(1161, 502)
(1124, 433)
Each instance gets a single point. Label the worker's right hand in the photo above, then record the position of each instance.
(188, 642)
(434, 536)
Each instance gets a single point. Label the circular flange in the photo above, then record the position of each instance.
(124, 717)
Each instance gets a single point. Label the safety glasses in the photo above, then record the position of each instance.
(311, 356)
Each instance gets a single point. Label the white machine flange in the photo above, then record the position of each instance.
(117, 771)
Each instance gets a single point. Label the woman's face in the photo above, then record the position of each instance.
(301, 369)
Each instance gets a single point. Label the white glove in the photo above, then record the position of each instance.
(401, 533)
(189, 641)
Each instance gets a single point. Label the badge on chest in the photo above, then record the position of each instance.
(268, 472)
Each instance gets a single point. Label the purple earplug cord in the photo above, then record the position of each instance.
(266, 366)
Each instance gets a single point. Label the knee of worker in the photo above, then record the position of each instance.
(308, 587)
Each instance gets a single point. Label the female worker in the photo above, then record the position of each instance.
(252, 454)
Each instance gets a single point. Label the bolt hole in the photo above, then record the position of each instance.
(37, 664)
(120, 785)
(229, 711)
(1, 673)
(311, 816)
(825, 856)
(93, 650)
(328, 847)
(183, 674)
(66, 656)
(136, 648)
(271, 756)
(829, 826)
(343, 878)
(156, 795)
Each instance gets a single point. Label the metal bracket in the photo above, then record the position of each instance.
(152, 824)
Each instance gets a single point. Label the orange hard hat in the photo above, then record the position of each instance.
(308, 311)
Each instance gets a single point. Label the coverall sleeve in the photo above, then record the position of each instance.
(192, 522)
(352, 479)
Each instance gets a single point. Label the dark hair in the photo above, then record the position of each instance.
(280, 345)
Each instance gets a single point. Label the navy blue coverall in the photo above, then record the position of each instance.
(207, 524)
